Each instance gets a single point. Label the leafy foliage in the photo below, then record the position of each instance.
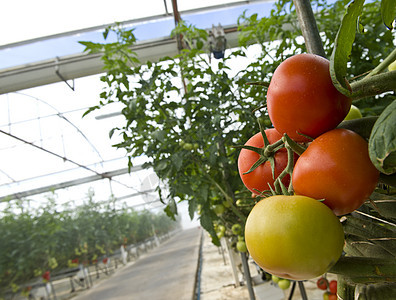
(186, 113)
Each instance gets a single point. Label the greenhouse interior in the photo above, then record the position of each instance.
(179, 149)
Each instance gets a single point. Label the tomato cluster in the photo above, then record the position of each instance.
(330, 288)
(297, 235)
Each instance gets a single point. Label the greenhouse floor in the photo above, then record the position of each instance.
(218, 283)
(217, 279)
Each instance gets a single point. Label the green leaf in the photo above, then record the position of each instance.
(159, 135)
(343, 47)
(388, 12)
(161, 165)
(382, 142)
(192, 207)
(207, 224)
(112, 132)
(384, 204)
(171, 209)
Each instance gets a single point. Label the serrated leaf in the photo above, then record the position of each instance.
(171, 209)
(111, 132)
(159, 135)
(386, 205)
(177, 160)
(192, 207)
(343, 47)
(388, 12)
(207, 224)
(161, 165)
(382, 142)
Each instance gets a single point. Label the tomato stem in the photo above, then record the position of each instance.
(374, 85)
(289, 143)
(261, 83)
(384, 64)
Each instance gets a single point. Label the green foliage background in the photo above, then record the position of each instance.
(31, 238)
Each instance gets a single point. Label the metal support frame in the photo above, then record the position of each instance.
(248, 278)
(60, 75)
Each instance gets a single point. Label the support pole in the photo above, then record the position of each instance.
(302, 290)
(309, 28)
(248, 278)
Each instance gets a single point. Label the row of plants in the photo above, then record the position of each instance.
(190, 113)
(37, 242)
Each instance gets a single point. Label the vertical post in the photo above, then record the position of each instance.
(292, 291)
(309, 28)
(248, 278)
(302, 290)
(232, 262)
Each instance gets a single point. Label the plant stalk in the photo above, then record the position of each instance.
(309, 27)
(384, 64)
(374, 85)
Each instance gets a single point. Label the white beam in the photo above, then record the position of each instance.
(83, 64)
(44, 189)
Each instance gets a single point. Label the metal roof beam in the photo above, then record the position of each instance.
(83, 64)
(70, 183)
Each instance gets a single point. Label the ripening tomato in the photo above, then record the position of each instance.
(301, 98)
(293, 237)
(333, 286)
(336, 167)
(322, 283)
(261, 178)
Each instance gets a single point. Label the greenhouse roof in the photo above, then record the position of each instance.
(46, 145)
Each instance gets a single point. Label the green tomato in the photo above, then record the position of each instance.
(275, 278)
(226, 203)
(265, 122)
(294, 237)
(392, 66)
(284, 284)
(236, 229)
(354, 113)
(188, 146)
(241, 246)
(221, 228)
(219, 209)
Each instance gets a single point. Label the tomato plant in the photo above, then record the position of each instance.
(337, 169)
(262, 177)
(293, 237)
(302, 99)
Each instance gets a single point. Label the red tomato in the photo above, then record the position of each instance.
(336, 167)
(333, 286)
(46, 276)
(332, 297)
(261, 177)
(322, 283)
(301, 98)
